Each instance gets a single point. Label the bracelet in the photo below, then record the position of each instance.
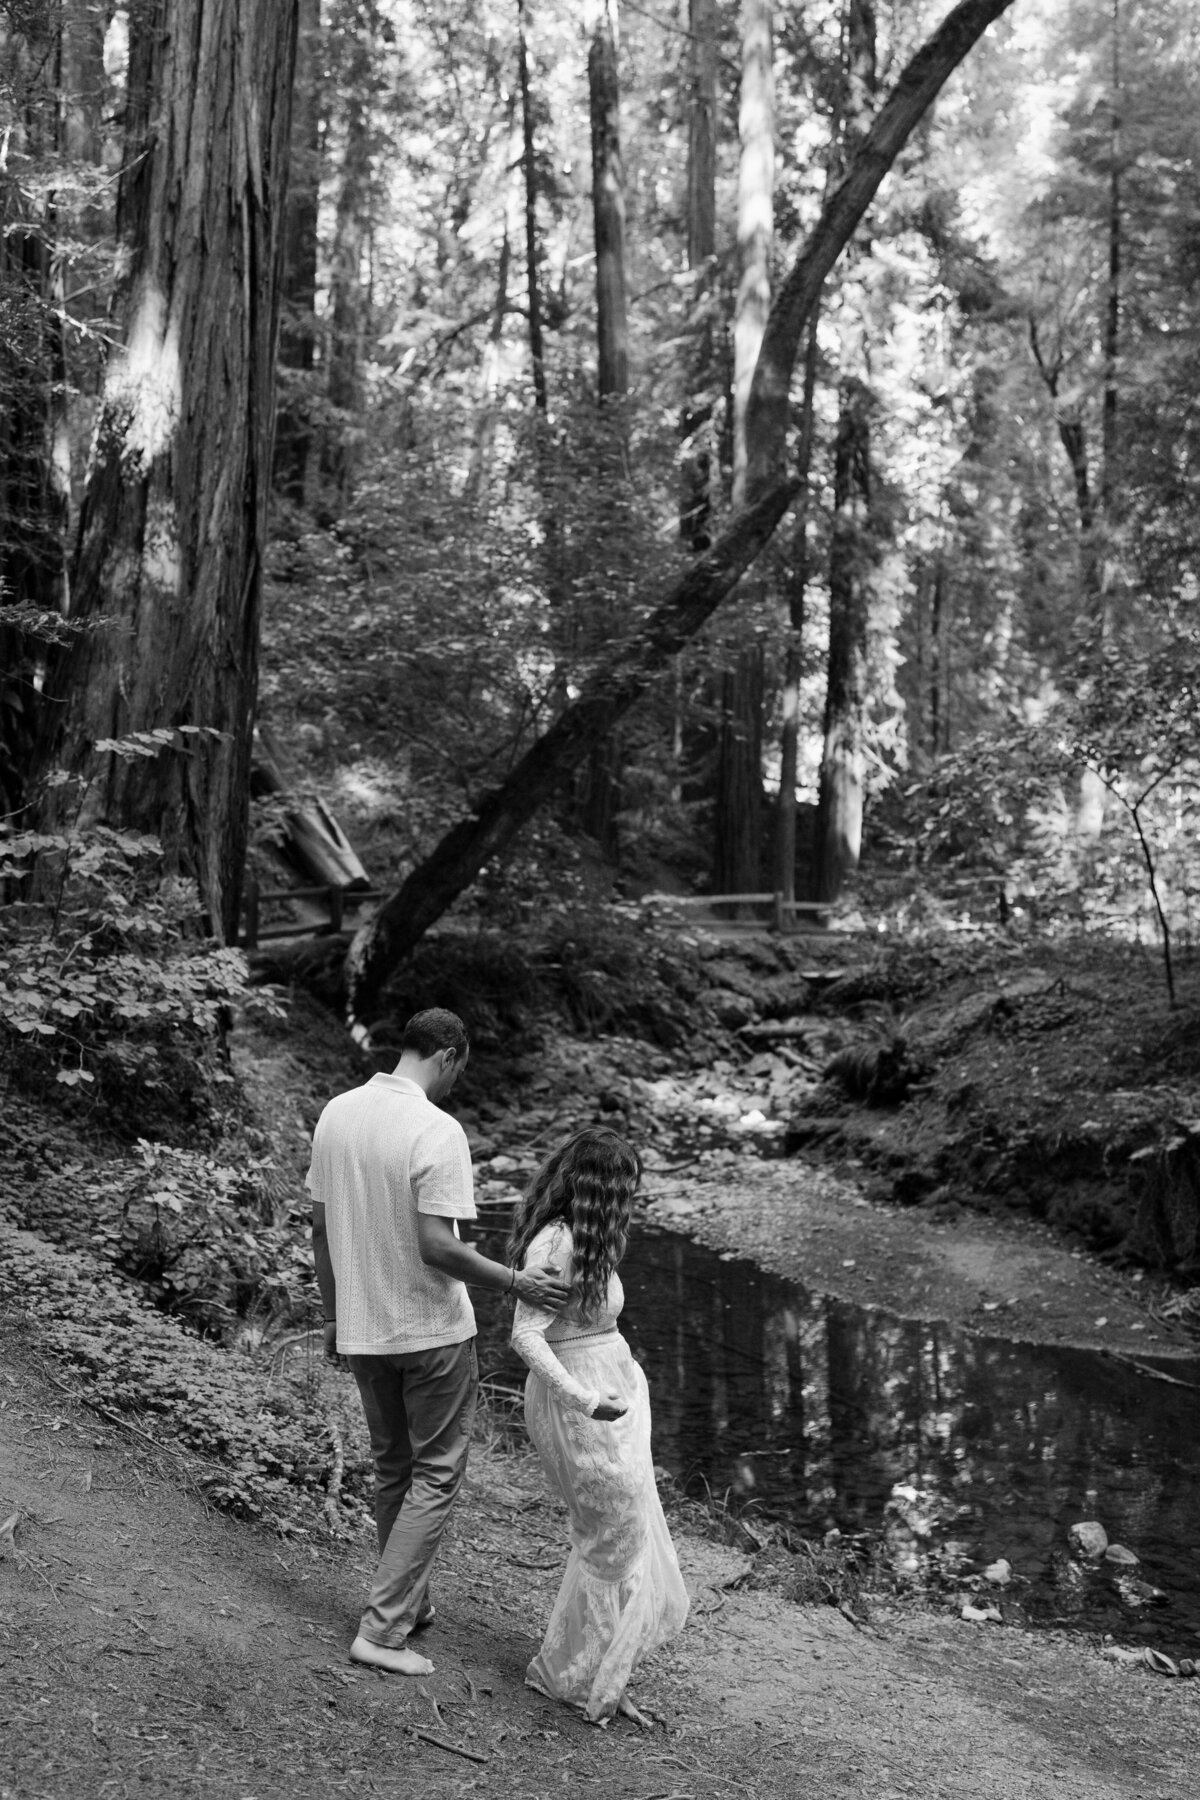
(329, 1321)
(513, 1280)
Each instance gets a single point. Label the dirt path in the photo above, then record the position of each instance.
(150, 1647)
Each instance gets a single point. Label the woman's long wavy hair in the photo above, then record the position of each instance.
(588, 1183)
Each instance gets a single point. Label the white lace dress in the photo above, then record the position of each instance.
(622, 1594)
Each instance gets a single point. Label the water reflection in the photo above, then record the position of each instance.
(814, 1412)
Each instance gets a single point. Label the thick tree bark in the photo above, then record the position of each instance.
(347, 295)
(537, 348)
(174, 513)
(839, 815)
(403, 919)
(738, 799)
(297, 336)
(481, 450)
(755, 226)
(917, 87)
(608, 207)
(34, 451)
(738, 802)
(840, 802)
(696, 461)
(793, 662)
(600, 789)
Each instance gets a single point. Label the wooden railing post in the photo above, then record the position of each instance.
(250, 937)
(337, 898)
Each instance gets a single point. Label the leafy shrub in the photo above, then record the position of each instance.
(106, 985)
(259, 1430)
(191, 1229)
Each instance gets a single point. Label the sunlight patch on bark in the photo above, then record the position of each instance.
(144, 383)
(162, 565)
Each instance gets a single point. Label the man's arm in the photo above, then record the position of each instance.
(324, 1267)
(441, 1249)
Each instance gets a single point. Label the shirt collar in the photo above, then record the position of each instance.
(401, 1084)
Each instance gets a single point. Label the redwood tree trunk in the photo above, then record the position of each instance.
(297, 337)
(695, 422)
(839, 813)
(600, 788)
(347, 297)
(608, 208)
(174, 512)
(34, 453)
(840, 802)
(738, 800)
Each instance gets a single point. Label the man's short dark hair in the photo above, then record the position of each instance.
(435, 1030)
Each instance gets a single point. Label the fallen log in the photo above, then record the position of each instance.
(314, 842)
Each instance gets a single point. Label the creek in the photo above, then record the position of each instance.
(938, 1450)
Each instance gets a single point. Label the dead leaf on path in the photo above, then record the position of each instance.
(8, 1533)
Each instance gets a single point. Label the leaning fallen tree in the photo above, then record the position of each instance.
(387, 938)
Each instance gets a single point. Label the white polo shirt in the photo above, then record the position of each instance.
(381, 1154)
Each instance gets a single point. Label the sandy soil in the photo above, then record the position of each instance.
(152, 1647)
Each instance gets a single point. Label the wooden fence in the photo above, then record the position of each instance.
(783, 913)
(340, 900)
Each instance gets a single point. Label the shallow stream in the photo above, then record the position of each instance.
(951, 1451)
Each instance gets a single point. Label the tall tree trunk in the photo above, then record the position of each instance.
(174, 511)
(839, 809)
(298, 324)
(738, 808)
(936, 738)
(695, 512)
(840, 802)
(481, 449)
(601, 784)
(347, 296)
(793, 661)
(608, 207)
(1112, 306)
(34, 451)
(401, 922)
(738, 802)
(537, 348)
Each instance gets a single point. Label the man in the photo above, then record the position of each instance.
(390, 1178)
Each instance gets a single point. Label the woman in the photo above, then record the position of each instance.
(588, 1411)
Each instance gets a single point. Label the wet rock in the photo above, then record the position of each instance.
(1088, 1539)
(998, 1573)
(1117, 1553)
(1138, 1593)
(733, 1010)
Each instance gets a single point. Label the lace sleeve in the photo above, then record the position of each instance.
(530, 1324)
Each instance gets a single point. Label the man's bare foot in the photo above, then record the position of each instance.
(383, 1656)
(628, 1710)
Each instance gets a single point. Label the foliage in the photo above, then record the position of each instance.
(198, 1232)
(1127, 717)
(106, 984)
(251, 1435)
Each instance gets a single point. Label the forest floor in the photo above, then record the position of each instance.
(152, 1645)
